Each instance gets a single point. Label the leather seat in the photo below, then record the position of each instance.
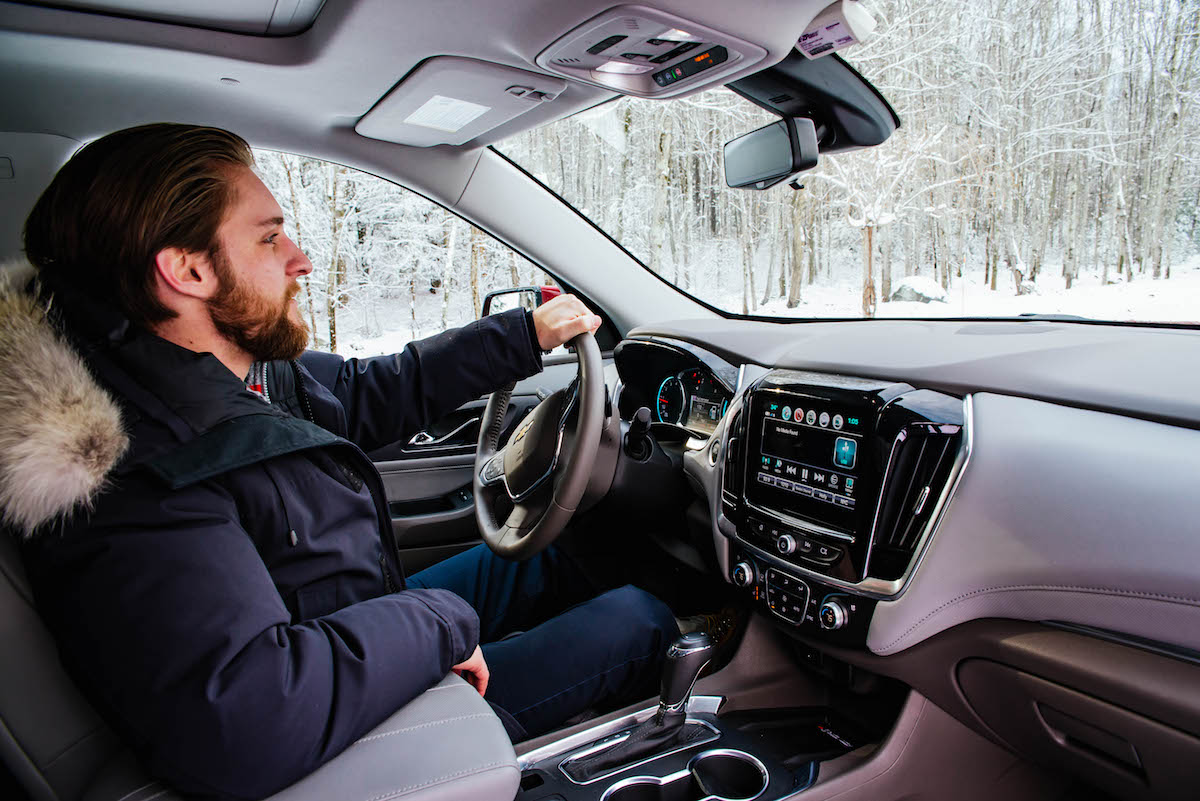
(445, 745)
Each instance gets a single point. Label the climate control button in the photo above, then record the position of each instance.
(787, 596)
(742, 574)
(833, 615)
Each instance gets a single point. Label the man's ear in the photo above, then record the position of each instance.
(186, 272)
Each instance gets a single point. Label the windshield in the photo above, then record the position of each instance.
(1048, 163)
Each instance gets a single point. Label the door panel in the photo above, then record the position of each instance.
(428, 480)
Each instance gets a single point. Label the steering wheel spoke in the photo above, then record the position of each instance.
(544, 469)
(525, 515)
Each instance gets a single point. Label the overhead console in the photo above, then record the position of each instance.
(831, 487)
(647, 53)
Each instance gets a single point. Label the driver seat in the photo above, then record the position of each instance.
(444, 745)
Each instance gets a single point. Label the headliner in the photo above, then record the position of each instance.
(81, 74)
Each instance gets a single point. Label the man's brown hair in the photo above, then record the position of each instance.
(126, 196)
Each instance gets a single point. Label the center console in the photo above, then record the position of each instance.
(724, 763)
(683, 750)
(831, 486)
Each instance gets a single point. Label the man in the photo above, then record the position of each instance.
(229, 594)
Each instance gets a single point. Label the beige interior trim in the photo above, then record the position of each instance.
(930, 755)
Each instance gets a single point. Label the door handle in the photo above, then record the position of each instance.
(423, 439)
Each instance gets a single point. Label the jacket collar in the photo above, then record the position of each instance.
(77, 379)
(195, 387)
(60, 433)
(192, 392)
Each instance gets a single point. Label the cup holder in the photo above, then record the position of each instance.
(717, 775)
(728, 775)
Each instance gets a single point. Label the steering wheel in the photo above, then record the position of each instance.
(547, 463)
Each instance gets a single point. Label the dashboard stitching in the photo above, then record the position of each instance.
(1051, 587)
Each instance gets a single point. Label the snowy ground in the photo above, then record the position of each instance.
(1173, 300)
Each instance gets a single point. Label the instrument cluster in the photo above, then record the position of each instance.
(693, 399)
(680, 385)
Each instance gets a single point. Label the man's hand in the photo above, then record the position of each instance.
(562, 318)
(474, 670)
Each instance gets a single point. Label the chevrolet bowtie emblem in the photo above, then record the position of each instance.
(522, 431)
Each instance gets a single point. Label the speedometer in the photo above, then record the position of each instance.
(670, 402)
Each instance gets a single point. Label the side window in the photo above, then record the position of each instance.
(389, 266)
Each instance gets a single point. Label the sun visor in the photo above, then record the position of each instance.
(450, 101)
(259, 17)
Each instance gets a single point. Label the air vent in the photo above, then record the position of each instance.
(731, 482)
(920, 465)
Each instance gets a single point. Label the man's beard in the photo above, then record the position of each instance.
(258, 325)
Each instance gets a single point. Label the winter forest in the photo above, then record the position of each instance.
(1048, 162)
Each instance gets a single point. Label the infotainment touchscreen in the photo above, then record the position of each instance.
(808, 458)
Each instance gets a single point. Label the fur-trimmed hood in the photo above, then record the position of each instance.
(60, 432)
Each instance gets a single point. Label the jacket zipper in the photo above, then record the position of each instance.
(302, 391)
(370, 476)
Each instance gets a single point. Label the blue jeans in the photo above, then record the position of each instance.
(573, 651)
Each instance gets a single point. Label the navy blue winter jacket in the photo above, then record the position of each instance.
(233, 602)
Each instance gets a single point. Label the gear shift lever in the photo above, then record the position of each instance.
(686, 657)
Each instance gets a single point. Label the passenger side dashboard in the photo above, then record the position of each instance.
(1042, 509)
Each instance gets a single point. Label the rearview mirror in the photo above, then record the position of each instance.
(763, 158)
(525, 297)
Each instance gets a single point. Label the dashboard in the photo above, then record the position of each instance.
(966, 505)
(1031, 486)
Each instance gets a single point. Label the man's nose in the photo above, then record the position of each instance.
(299, 263)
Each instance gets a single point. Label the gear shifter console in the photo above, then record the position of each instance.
(677, 751)
(668, 728)
(686, 657)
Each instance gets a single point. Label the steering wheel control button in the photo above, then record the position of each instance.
(833, 615)
(493, 468)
